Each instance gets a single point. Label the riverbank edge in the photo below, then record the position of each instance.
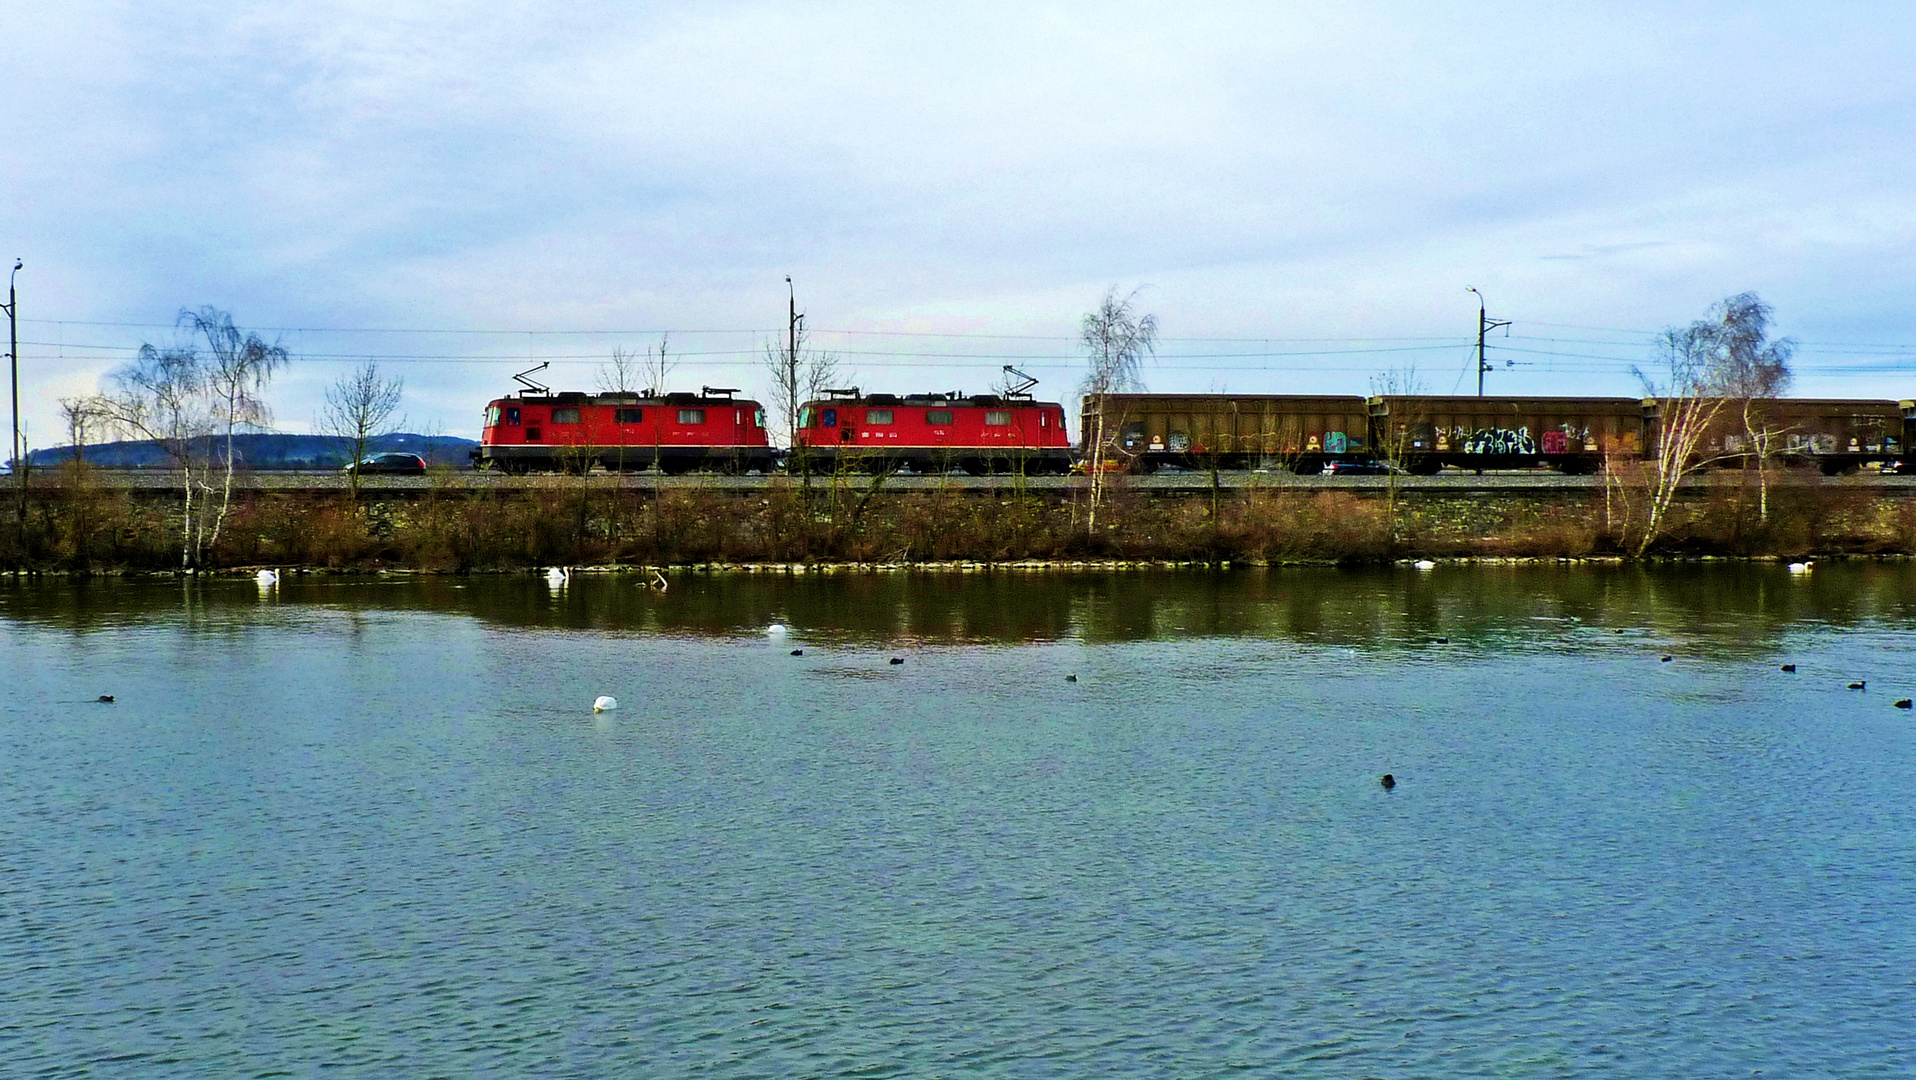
(961, 567)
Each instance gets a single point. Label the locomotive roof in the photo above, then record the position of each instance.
(952, 400)
(576, 398)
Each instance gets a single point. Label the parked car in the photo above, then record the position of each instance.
(393, 464)
(1361, 468)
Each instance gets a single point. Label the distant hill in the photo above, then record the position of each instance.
(269, 451)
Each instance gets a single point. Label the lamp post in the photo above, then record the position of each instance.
(797, 457)
(1485, 324)
(13, 360)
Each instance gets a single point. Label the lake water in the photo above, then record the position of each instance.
(372, 828)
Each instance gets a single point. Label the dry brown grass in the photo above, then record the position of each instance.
(82, 526)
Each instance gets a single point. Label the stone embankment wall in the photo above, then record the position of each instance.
(440, 525)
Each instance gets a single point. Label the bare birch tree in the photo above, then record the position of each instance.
(237, 369)
(1748, 370)
(1116, 340)
(1686, 409)
(361, 408)
(184, 400)
(1723, 361)
(160, 396)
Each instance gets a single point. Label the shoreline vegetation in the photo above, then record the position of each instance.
(847, 568)
(81, 526)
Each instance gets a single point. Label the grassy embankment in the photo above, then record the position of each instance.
(79, 525)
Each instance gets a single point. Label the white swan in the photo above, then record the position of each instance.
(266, 578)
(605, 703)
(557, 576)
(777, 629)
(1801, 567)
(1424, 564)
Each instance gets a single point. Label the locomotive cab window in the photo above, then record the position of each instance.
(628, 416)
(512, 415)
(565, 416)
(758, 418)
(998, 417)
(492, 416)
(691, 416)
(938, 416)
(829, 418)
(878, 416)
(804, 418)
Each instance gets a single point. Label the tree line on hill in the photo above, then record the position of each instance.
(261, 450)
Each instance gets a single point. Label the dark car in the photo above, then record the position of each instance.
(394, 464)
(1360, 468)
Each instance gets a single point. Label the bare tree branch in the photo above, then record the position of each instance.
(1721, 360)
(361, 407)
(182, 399)
(1116, 340)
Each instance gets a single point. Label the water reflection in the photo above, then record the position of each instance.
(1722, 606)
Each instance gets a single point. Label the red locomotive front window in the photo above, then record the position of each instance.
(758, 418)
(492, 416)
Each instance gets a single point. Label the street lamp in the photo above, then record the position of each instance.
(13, 360)
(1485, 324)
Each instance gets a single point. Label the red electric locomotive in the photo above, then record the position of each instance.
(540, 431)
(983, 433)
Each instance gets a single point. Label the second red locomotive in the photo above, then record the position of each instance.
(982, 433)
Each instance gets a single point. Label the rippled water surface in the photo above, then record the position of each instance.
(372, 828)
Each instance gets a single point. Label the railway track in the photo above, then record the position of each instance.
(1165, 483)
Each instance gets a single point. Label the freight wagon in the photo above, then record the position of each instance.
(982, 433)
(545, 432)
(1302, 432)
(1422, 434)
(1834, 435)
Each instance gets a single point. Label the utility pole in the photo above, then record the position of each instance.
(1485, 325)
(13, 360)
(791, 349)
(791, 384)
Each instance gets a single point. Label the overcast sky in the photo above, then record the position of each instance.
(1301, 192)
